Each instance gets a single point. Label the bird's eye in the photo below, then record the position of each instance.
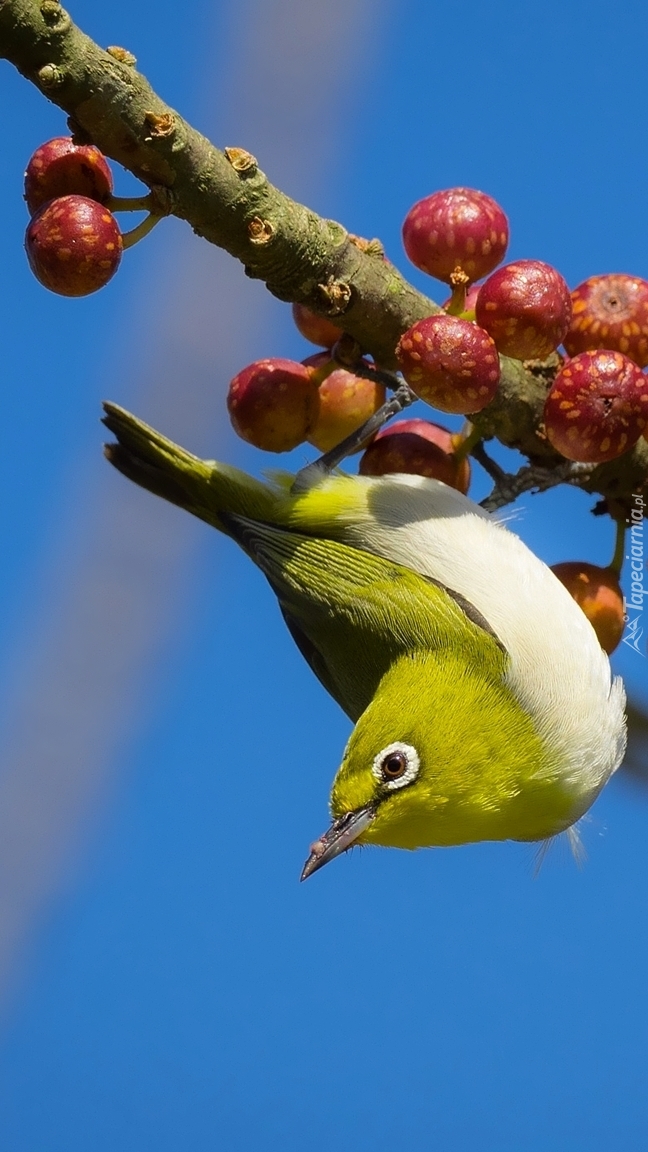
(397, 765)
(394, 765)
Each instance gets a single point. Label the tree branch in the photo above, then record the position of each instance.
(224, 196)
(228, 200)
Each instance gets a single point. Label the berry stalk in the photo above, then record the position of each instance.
(133, 204)
(140, 231)
(616, 563)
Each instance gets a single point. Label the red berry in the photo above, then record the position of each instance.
(526, 307)
(610, 312)
(597, 407)
(418, 447)
(73, 245)
(315, 328)
(450, 363)
(598, 592)
(61, 167)
(271, 404)
(345, 401)
(459, 228)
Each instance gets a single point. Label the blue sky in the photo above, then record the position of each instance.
(165, 754)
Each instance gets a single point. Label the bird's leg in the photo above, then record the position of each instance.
(310, 475)
(403, 396)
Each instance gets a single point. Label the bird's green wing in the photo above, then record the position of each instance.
(352, 614)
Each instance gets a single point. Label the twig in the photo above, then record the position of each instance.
(509, 485)
(488, 464)
(223, 195)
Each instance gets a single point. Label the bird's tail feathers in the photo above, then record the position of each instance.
(202, 487)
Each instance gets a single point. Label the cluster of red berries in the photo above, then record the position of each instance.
(522, 310)
(278, 404)
(597, 407)
(73, 241)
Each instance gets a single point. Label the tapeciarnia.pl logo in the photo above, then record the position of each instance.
(634, 603)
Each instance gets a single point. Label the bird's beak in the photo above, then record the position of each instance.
(342, 834)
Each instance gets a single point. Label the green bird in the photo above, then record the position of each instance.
(483, 704)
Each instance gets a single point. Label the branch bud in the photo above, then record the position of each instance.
(241, 161)
(260, 231)
(49, 76)
(338, 295)
(122, 55)
(159, 125)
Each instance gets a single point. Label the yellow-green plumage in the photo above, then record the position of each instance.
(353, 614)
(484, 706)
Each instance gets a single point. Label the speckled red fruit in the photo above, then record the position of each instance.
(420, 448)
(598, 592)
(344, 402)
(60, 167)
(457, 228)
(610, 312)
(315, 328)
(597, 407)
(526, 307)
(271, 404)
(450, 363)
(73, 245)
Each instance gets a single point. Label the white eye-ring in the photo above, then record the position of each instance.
(397, 765)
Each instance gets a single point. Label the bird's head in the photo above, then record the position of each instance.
(444, 754)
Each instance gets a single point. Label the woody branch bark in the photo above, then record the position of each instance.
(228, 200)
